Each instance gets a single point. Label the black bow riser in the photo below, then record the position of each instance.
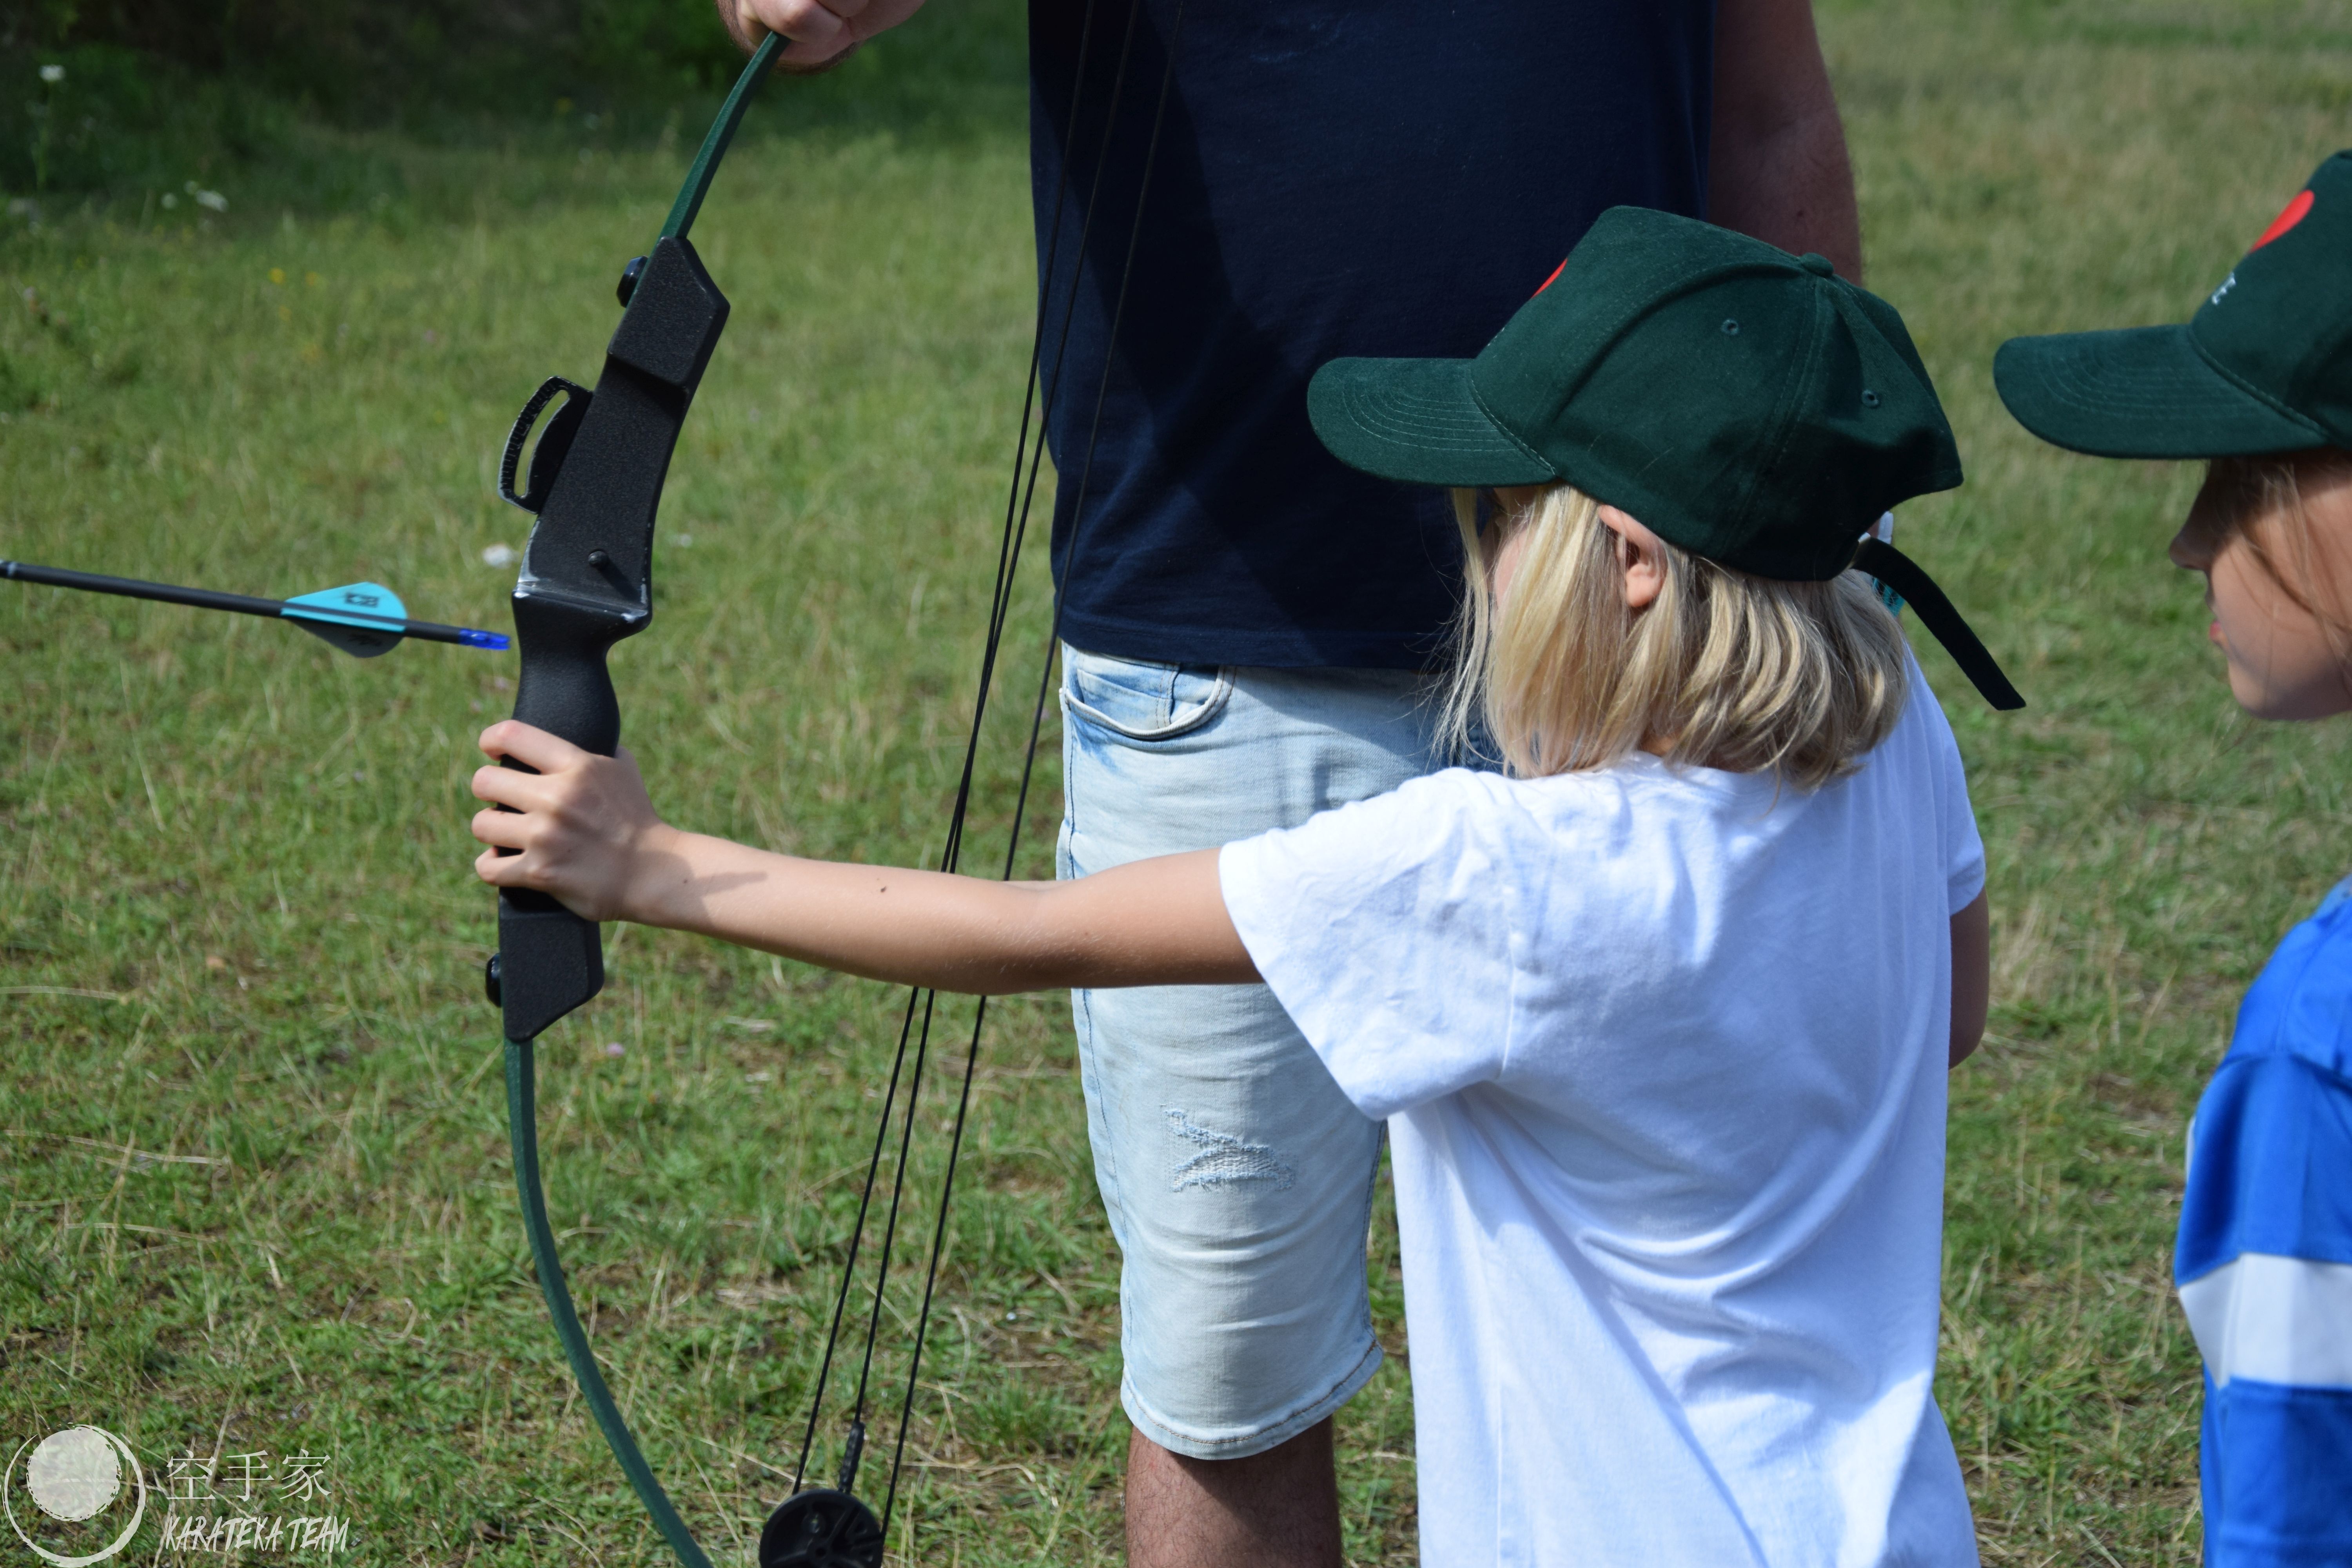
(587, 583)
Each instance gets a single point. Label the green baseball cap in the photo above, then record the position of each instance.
(2266, 364)
(1748, 406)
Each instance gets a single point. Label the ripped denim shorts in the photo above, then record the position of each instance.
(1237, 1177)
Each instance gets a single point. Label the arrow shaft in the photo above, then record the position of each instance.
(131, 588)
(240, 604)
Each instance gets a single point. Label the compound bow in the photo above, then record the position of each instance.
(594, 483)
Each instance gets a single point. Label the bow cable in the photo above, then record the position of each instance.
(1029, 762)
(1016, 522)
(1019, 502)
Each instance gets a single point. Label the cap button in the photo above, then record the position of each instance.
(1819, 266)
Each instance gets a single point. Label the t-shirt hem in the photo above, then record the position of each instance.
(1267, 647)
(1974, 884)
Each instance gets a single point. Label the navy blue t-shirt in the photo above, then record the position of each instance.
(1332, 177)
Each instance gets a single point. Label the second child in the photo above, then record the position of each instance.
(2258, 384)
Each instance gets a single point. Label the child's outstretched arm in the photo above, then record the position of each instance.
(588, 834)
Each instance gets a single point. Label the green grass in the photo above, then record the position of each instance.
(250, 1128)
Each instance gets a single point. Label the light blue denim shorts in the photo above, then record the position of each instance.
(1238, 1178)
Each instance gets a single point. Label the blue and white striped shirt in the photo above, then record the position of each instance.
(2264, 1261)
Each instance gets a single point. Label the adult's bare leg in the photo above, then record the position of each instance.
(1280, 1509)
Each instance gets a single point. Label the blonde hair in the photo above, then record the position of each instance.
(2255, 493)
(1727, 670)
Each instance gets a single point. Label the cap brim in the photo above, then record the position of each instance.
(1415, 420)
(2145, 391)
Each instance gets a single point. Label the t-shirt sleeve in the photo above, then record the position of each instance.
(1960, 847)
(1384, 930)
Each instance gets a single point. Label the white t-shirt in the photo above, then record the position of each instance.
(1662, 1055)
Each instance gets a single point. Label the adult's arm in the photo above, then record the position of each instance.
(1776, 165)
(1971, 977)
(822, 32)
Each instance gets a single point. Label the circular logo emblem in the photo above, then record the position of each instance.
(76, 1477)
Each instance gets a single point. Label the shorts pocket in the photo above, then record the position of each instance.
(1140, 700)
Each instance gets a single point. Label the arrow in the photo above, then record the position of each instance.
(363, 619)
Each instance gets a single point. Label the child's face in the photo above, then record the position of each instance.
(2282, 662)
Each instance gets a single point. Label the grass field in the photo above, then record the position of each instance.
(251, 1133)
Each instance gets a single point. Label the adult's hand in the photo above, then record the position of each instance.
(823, 33)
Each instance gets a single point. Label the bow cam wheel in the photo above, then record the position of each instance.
(821, 1529)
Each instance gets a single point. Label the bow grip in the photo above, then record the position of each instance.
(587, 582)
(550, 959)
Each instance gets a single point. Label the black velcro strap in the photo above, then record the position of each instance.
(1902, 575)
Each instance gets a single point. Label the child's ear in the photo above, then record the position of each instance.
(1643, 555)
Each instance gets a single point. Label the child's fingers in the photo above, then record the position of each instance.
(512, 861)
(499, 870)
(516, 790)
(567, 822)
(503, 829)
(522, 871)
(529, 745)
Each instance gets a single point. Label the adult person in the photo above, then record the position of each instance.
(1247, 624)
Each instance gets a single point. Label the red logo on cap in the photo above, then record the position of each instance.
(1563, 267)
(2287, 219)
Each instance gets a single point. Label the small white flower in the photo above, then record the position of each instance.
(684, 541)
(499, 555)
(616, 1050)
(170, 200)
(212, 201)
(53, 74)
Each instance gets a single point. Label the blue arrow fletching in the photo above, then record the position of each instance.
(369, 605)
(363, 619)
